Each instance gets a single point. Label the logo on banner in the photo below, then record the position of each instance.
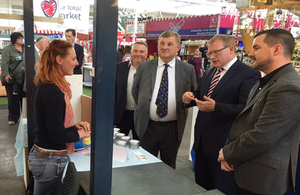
(213, 22)
(178, 25)
(49, 7)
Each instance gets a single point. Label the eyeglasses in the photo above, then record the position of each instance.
(216, 52)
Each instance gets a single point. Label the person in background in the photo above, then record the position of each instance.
(221, 95)
(119, 57)
(203, 50)
(70, 35)
(196, 61)
(41, 43)
(160, 118)
(53, 114)
(124, 102)
(263, 143)
(11, 67)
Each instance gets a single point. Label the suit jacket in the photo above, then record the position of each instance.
(264, 140)
(119, 57)
(36, 56)
(79, 55)
(142, 90)
(121, 80)
(230, 94)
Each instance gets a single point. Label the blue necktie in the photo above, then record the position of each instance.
(162, 96)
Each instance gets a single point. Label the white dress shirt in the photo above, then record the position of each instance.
(37, 49)
(226, 68)
(130, 103)
(171, 116)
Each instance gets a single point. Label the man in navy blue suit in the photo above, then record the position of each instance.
(221, 95)
(70, 35)
(124, 102)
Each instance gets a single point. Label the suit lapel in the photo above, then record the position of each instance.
(206, 82)
(153, 69)
(125, 76)
(178, 71)
(254, 97)
(231, 72)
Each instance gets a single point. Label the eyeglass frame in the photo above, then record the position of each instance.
(216, 52)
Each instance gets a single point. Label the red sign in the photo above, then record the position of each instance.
(199, 25)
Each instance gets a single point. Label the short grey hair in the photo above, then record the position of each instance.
(169, 33)
(40, 38)
(140, 43)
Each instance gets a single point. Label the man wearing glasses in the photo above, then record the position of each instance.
(221, 95)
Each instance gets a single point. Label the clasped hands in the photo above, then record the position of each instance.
(224, 164)
(205, 106)
(84, 129)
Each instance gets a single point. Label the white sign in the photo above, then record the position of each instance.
(74, 12)
(140, 28)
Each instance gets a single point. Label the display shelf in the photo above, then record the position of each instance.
(189, 51)
(5, 37)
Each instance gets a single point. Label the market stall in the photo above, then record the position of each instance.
(196, 29)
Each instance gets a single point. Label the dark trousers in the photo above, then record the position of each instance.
(209, 175)
(127, 123)
(162, 137)
(240, 191)
(14, 102)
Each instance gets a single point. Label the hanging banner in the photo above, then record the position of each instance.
(199, 25)
(141, 29)
(74, 12)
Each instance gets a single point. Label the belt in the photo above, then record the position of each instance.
(43, 153)
(131, 111)
(162, 122)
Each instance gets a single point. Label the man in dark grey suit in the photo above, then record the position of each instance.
(124, 102)
(263, 143)
(162, 132)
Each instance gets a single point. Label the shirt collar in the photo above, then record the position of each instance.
(129, 63)
(268, 77)
(171, 63)
(230, 63)
(37, 49)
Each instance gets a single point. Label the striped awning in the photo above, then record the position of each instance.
(48, 32)
(127, 17)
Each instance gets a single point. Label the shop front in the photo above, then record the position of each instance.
(194, 30)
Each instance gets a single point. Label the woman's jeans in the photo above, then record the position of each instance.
(47, 173)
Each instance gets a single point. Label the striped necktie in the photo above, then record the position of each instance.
(214, 82)
(162, 96)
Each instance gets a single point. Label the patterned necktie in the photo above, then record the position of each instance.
(162, 96)
(214, 82)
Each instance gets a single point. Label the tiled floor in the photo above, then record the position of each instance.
(11, 184)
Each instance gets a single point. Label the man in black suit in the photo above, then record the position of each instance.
(221, 95)
(124, 102)
(70, 37)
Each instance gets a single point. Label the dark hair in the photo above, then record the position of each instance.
(14, 36)
(169, 33)
(48, 69)
(71, 30)
(279, 36)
